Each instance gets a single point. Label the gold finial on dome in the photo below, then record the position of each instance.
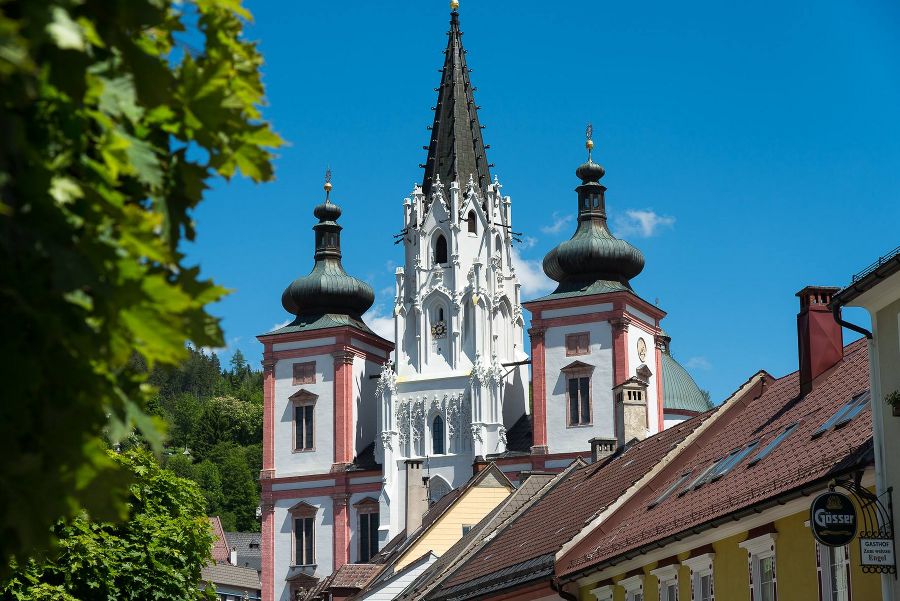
(454, 4)
(327, 185)
(589, 143)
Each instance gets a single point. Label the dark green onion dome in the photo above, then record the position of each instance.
(328, 289)
(593, 258)
(680, 392)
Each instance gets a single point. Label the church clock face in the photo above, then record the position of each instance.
(438, 330)
(642, 350)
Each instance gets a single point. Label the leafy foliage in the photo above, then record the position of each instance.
(114, 114)
(220, 429)
(156, 554)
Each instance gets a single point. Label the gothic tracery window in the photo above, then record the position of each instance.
(440, 250)
(472, 223)
(437, 435)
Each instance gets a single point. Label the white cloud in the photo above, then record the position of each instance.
(280, 325)
(642, 222)
(701, 363)
(559, 222)
(531, 276)
(528, 242)
(381, 322)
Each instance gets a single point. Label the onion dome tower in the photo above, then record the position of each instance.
(593, 261)
(327, 296)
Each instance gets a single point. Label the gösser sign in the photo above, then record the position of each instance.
(832, 518)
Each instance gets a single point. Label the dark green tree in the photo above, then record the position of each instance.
(240, 496)
(157, 553)
(111, 128)
(206, 475)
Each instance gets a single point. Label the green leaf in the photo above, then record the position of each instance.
(65, 32)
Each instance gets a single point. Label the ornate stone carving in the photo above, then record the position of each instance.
(387, 440)
(476, 433)
(403, 421)
(620, 323)
(501, 434)
(345, 357)
(417, 419)
(388, 379)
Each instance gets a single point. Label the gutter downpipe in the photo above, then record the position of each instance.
(887, 583)
(554, 584)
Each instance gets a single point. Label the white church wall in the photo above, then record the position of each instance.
(365, 422)
(302, 484)
(579, 310)
(288, 461)
(300, 344)
(283, 543)
(560, 437)
(635, 331)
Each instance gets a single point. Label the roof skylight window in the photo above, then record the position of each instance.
(727, 464)
(846, 413)
(772, 445)
(702, 478)
(670, 490)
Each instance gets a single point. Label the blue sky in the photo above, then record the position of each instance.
(750, 149)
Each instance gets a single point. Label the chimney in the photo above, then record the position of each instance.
(232, 557)
(601, 448)
(820, 342)
(416, 495)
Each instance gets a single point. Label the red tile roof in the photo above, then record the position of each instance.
(563, 511)
(801, 459)
(220, 550)
(354, 575)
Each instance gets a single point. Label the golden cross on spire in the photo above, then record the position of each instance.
(454, 4)
(327, 185)
(589, 143)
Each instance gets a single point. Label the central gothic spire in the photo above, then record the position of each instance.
(456, 151)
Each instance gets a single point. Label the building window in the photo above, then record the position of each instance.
(834, 572)
(304, 373)
(701, 567)
(437, 435)
(466, 528)
(761, 563)
(580, 401)
(578, 344)
(634, 587)
(472, 224)
(304, 431)
(668, 582)
(368, 536)
(440, 250)
(303, 541)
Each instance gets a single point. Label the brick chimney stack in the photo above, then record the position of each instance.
(820, 342)
(416, 495)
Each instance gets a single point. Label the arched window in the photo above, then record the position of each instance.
(440, 250)
(473, 226)
(437, 488)
(437, 435)
(441, 314)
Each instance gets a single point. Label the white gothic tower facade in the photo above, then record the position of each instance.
(459, 380)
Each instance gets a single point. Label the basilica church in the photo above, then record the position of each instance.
(355, 424)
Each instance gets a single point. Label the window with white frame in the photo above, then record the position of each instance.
(701, 567)
(668, 582)
(634, 587)
(834, 572)
(303, 516)
(761, 565)
(603, 593)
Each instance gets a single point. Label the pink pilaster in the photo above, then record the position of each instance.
(539, 392)
(268, 542)
(659, 388)
(343, 408)
(341, 529)
(268, 409)
(620, 348)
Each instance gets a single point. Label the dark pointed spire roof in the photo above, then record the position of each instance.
(327, 296)
(456, 150)
(593, 261)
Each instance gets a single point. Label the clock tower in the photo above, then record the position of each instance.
(458, 382)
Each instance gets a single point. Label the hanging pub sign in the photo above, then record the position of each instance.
(832, 518)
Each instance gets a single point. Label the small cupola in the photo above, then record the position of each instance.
(327, 289)
(593, 259)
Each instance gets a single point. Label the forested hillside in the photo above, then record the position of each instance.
(215, 432)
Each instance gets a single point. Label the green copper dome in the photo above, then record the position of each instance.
(680, 392)
(593, 259)
(327, 289)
